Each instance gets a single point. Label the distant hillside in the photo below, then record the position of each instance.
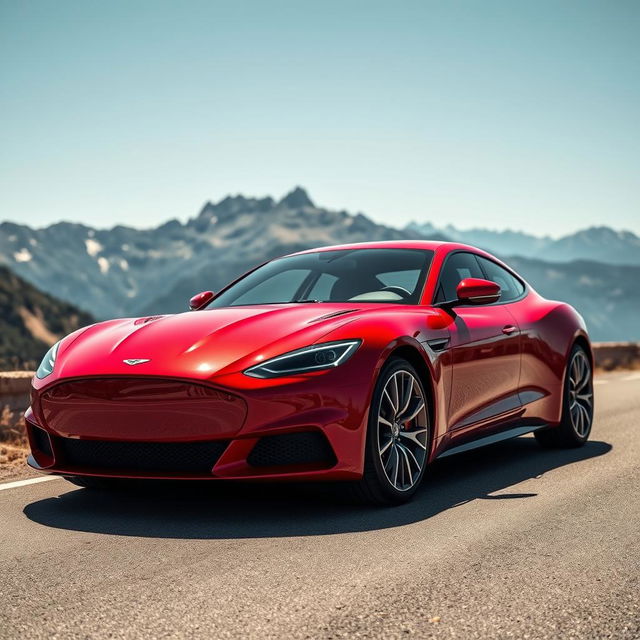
(121, 271)
(597, 244)
(606, 295)
(31, 321)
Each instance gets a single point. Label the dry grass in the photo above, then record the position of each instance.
(12, 456)
(13, 463)
(12, 430)
(13, 445)
(612, 356)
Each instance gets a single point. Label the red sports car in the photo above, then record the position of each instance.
(357, 363)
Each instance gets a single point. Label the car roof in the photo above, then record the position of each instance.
(430, 245)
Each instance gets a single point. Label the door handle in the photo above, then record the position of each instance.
(509, 329)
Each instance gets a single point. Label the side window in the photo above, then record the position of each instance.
(457, 267)
(321, 290)
(510, 287)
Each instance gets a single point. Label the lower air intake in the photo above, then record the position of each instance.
(41, 441)
(186, 457)
(305, 448)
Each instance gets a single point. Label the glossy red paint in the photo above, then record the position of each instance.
(486, 367)
(478, 291)
(201, 300)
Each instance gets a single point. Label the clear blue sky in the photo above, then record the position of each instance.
(497, 114)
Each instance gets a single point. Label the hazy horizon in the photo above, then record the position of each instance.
(481, 115)
(183, 219)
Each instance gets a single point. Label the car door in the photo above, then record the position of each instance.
(484, 350)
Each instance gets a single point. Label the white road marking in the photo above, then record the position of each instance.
(24, 483)
(600, 381)
(633, 376)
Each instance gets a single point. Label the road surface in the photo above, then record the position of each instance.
(506, 542)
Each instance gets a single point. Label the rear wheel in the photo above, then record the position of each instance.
(397, 436)
(577, 405)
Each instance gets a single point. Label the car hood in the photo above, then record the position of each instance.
(198, 344)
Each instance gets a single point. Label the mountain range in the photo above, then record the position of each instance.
(125, 271)
(598, 244)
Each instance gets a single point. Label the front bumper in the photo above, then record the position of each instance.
(308, 428)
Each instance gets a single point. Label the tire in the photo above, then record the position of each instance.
(99, 484)
(397, 441)
(577, 405)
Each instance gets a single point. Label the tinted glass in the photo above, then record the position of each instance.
(321, 289)
(273, 287)
(405, 279)
(457, 267)
(358, 275)
(510, 287)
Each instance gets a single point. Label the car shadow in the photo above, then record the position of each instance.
(237, 510)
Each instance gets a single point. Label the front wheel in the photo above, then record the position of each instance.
(397, 436)
(577, 405)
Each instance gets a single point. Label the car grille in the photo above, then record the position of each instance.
(293, 448)
(191, 457)
(143, 409)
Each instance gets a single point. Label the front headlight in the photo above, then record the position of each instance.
(48, 362)
(313, 358)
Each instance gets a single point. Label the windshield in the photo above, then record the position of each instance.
(346, 275)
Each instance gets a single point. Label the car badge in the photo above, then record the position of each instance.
(133, 361)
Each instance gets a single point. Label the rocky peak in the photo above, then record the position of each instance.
(208, 210)
(296, 199)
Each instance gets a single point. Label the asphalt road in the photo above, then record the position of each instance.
(506, 542)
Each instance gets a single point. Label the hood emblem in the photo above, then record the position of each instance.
(133, 361)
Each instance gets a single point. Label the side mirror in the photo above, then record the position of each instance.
(200, 300)
(477, 291)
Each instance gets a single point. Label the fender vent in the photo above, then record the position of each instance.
(333, 314)
(148, 319)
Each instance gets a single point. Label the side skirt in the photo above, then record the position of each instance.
(496, 437)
